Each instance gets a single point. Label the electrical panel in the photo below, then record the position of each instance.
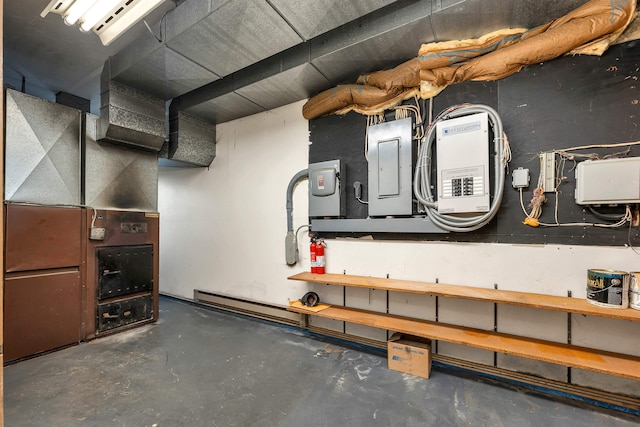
(389, 174)
(326, 192)
(462, 149)
(608, 182)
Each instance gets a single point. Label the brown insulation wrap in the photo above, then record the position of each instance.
(349, 96)
(589, 29)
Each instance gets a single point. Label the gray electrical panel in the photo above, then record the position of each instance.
(326, 192)
(390, 189)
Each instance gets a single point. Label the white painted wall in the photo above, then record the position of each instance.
(222, 230)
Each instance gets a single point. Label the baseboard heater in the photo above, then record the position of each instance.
(249, 308)
(604, 399)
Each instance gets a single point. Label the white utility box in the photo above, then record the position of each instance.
(608, 182)
(462, 149)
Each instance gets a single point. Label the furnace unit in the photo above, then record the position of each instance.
(122, 270)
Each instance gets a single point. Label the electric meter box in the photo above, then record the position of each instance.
(389, 175)
(326, 192)
(608, 181)
(462, 150)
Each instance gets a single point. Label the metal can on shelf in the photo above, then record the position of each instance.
(634, 290)
(608, 288)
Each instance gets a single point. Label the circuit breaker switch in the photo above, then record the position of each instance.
(323, 181)
(326, 193)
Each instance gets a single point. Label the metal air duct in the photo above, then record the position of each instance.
(128, 116)
(191, 140)
(42, 153)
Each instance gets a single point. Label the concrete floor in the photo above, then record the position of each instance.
(199, 367)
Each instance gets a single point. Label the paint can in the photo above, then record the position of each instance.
(634, 290)
(608, 288)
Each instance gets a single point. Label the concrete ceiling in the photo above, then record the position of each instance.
(224, 59)
(54, 57)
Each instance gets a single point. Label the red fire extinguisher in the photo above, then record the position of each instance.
(320, 260)
(314, 258)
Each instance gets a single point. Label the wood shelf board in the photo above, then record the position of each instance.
(523, 299)
(621, 365)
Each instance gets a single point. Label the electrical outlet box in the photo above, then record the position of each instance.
(97, 233)
(608, 182)
(520, 178)
(462, 149)
(291, 248)
(326, 192)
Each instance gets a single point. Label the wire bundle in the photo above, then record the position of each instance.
(532, 218)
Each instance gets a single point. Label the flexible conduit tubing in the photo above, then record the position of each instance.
(292, 185)
(422, 175)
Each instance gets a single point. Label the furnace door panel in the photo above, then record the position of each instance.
(124, 270)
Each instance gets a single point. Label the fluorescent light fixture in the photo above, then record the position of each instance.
(97, 13)
(76, 10)
(57, 6)
(118, 23)
(109, 19)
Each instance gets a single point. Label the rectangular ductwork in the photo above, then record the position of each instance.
(128, 116)
(117, 177)
(191, 140)
(42, 151)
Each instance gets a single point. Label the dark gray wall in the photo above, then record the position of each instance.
(571, 101)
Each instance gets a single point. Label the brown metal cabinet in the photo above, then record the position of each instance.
(42, 312)
(42, 293)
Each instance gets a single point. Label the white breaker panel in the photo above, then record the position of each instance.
(462, 149)
(608, 182)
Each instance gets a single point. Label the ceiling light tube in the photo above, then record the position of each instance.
(76, 10)
(56, 6)
(98, 12)
(138, 10)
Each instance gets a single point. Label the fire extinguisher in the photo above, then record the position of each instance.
(320, 260)
(314, 258)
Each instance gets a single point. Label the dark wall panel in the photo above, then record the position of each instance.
(570, 101)
(342, 137)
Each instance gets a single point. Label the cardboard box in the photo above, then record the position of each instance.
(409, 354)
